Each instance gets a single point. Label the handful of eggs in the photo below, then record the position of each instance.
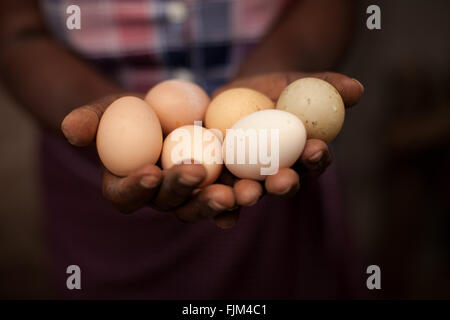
(244, 129)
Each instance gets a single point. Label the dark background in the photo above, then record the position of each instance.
(393, 155)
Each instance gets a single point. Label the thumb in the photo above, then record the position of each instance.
(80, 125)
(272, 84)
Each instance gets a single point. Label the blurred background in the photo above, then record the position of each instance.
(393, 155)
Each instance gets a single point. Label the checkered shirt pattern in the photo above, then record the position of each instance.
(142, 42)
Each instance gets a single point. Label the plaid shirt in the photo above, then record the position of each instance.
(141, 42)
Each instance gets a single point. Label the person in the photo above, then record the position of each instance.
(275, 240)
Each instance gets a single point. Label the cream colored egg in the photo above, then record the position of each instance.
(129, 136)
(232, 105)
(177, 103)
(194, 144)
(318, 104)
(261, 143)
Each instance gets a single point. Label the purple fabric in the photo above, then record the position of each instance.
(279, 249)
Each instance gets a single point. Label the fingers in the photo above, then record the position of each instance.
(209, 202)
(350, 89)
(80, 125)
(178, 185)
(134, 191)
(272, 84)
(247, 192)
(285, 183)
(316, 157)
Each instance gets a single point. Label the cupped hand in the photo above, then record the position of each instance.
(316, 156)
(174, 190)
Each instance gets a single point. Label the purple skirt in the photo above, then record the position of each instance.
(279, 249)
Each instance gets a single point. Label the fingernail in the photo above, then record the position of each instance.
(149, 182)
(286, 191)
(252, 203)
(216, 206)
(316, 157)
(189, 180)
(291, 190)
(64, 125)
(64, 130)
(359, 83)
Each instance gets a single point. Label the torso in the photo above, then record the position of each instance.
(279, 249)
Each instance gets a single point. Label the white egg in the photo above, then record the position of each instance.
(261, 143)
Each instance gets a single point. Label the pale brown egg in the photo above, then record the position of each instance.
(233, 104)
(194, 144)
(318, 104)
(129, 136)
(177, 103)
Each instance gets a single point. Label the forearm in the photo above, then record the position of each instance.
(311, 36)
(49, 81)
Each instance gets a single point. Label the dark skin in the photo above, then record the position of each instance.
(74, 84)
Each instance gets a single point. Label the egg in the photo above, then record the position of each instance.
(318, 104)
(261, 143)
(177, 103)
(233, 104)
(129, 136)
(194, 144)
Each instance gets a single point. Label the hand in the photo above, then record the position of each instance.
(174, 190)
(316, 156)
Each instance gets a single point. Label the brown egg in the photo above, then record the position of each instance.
(233, 104)
(193, 144)
(177, 103)
(129, 136)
